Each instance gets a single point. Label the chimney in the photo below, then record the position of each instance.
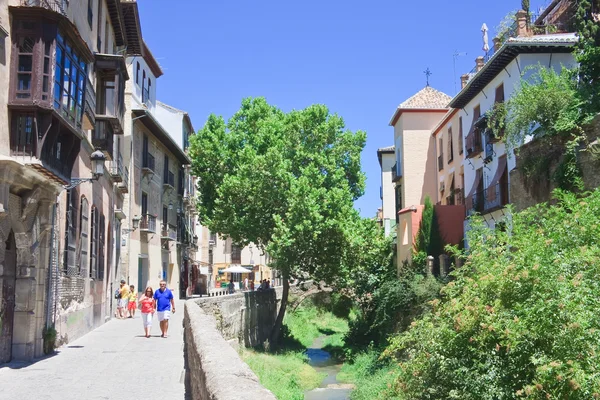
(522, 24)
(463, 80)
(497, 43)
(479, 62)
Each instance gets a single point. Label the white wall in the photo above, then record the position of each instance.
(136, 88)
(510, 77)
(172, 121)
(387, 187)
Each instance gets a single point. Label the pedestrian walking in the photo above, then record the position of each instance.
(246, 284)
(252, 285)
(148, 305)
(131, 307)
(231, 286)
(123, 300)
(165, 303)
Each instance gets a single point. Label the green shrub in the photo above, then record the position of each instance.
(520, 320)
(391, 309)
(372, 377)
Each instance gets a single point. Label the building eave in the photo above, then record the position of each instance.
(444, 120)
(399, 111)
(116, 19)
(159, 132)
(133, 28)
(504, 56)
(151, 61)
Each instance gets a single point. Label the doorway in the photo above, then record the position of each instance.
(143, 277)
(7, 301)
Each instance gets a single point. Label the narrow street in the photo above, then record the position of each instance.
(115, 361)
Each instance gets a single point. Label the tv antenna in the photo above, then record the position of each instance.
(455, 56)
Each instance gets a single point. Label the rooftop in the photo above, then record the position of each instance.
(425, 99)
(388, 149)
(540, 44)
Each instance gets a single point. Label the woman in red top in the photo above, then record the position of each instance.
(147, 302)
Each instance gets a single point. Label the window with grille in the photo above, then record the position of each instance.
(94, 244)
(137, 73)
(101, 240)
(70, 261)
(22, 139)
(25, 49)
(98, 25)
(83, 238)
(90, 12)
(460, 135)
(450, 146)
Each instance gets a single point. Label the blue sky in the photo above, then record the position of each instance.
(359, 58)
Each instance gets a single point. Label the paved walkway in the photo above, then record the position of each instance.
(115, 361)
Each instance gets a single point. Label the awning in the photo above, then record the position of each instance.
(470, 139)
(491, 190)
(478, 176)
(449, 184)
(236, 269)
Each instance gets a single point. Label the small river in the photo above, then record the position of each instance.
(330, 388)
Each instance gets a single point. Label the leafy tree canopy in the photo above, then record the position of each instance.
(285, 181)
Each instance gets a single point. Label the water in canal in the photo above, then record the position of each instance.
(330, 388)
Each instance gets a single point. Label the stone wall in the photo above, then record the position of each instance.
(246, 317)
(213, 368)
(525, 192)
(213, 326)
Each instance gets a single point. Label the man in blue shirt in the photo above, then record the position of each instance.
(164, 305)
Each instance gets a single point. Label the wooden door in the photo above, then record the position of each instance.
(7, 301)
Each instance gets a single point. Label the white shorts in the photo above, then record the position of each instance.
(123, 303)
(147, 319)
(163, 315)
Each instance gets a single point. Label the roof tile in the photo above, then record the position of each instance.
(427, 97)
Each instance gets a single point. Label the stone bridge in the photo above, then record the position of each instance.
(214, 327)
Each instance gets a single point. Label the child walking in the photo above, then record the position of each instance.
(132, 301)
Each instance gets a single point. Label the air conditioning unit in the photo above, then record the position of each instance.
(442, 186)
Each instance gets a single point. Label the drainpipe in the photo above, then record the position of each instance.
(49, 317)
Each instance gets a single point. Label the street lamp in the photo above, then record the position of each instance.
(135, 223)
(97, 158)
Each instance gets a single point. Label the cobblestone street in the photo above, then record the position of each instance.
(114, 361)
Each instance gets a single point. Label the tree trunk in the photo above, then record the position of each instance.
(276, 330)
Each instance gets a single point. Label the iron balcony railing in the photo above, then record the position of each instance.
(395, 175)
(441, 162)
(168, 232)
(58, 6)
(488, 200)
(169, 179)
(148, 162)
(116, 169)
(456, 197)
(148, 223)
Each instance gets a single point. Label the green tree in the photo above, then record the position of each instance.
(588, 52)
(284, 181)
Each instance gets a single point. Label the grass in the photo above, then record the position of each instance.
(287, 375)
(308, 323)
(370, 376)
